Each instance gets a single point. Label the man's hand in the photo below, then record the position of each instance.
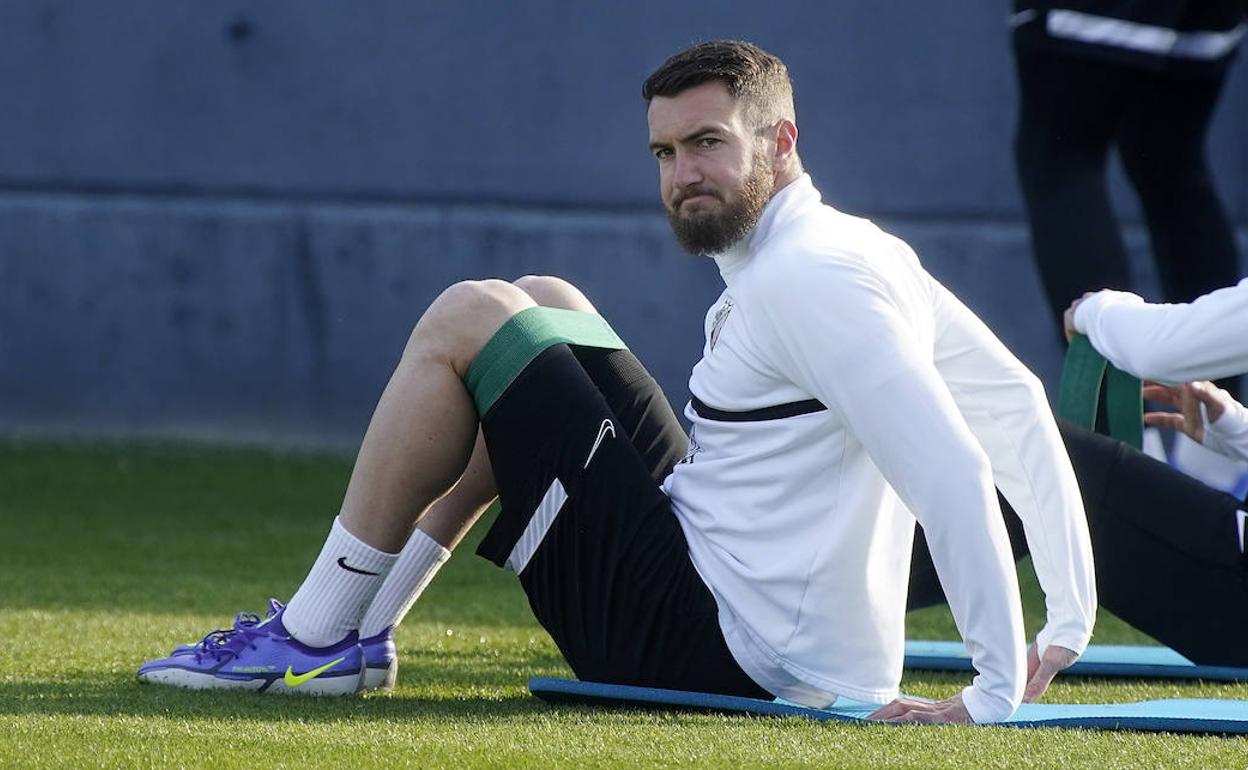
(1187, 399)
(948, 711)
(1068, 318)
(1042, 669)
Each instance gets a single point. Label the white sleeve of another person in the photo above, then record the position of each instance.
(1206, 339)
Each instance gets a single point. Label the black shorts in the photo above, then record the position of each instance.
(580, 437)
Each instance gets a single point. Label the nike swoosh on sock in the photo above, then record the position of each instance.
(342, 562)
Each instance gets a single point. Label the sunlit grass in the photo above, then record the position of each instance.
(112, 554)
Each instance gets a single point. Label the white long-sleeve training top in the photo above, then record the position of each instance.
(843, 393)
(1202, 340)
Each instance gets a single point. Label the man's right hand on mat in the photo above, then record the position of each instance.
(1042, 668)
(950, 710)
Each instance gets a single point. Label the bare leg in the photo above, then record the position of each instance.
(421, 435)
(445, 522)
(415, 450)
(450, 518)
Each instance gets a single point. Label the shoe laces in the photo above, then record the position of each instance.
(228, 642)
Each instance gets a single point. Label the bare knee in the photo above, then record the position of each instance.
(552, 291)
(463, 318)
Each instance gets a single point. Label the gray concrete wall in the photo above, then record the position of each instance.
(221, 220)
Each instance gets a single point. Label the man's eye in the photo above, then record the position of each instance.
(663, 154)
(707, 142)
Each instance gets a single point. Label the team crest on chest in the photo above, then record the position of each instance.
(717, 325)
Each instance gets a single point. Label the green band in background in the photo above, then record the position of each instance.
(1125, 406)
(523, 338)
(1082, 376)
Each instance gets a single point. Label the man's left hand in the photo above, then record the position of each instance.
(948, 711)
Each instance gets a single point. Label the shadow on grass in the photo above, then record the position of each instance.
(458, 680)
(461, 677)
(102, 698)
(113, 699)
(116, 697)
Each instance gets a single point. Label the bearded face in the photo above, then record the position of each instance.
(708, 220)
(716, 166)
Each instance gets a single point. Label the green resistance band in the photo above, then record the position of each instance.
(523, 338)
(1083, 375)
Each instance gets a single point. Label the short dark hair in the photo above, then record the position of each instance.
(749, 73)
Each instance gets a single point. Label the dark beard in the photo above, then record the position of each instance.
(706, 234)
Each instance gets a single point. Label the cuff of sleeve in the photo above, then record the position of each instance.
(985, 708)
(1090, 307)
(1232, 423)
(1075, 641)
(1229, 434)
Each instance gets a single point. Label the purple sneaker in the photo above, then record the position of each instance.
(242, 618)
(261, 655)
(381, 661)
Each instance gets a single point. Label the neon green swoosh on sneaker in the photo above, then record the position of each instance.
(294, 680)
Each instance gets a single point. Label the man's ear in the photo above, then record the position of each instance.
(786, 143)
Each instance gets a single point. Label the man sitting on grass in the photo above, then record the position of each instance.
(843, 393)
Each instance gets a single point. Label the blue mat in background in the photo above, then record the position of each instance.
(1225, 717)
(1098, 660)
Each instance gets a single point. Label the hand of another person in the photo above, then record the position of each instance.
(1068, 318)
(1042, 669)
(1187, 399)
(948, 711)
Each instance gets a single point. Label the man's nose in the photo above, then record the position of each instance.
(687, 171)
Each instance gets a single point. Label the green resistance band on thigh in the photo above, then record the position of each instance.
(1083, 375)
(523, 338)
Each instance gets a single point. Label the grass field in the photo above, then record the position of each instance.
(112, 554)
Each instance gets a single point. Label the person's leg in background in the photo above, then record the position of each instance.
(1162, 144)
(1068, 116)
(1169, 551)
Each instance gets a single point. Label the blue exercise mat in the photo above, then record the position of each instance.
(1097, 660)
(1176, 716)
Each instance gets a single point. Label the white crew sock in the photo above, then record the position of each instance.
(337, 590)
(419, 561)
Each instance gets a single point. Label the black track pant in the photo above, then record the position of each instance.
(1071, 112)
(1166, 548)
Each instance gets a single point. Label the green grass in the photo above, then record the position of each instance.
(112, 554)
